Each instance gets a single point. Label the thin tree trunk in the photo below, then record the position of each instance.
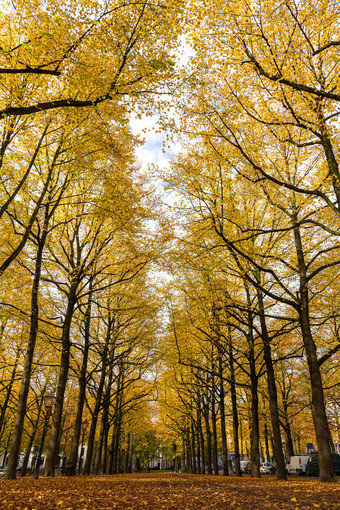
(183, 457)
(90, 444)
(127, 456)
(119, 415)
(266, 441)
(100, 460)
(193, 447)
(105, 418)
(98, 455)
(254, 429)
(200, 433)
(222, 413)
(112, 444)
(255, 432)
(34, 432)
(214, 428)
(116, 448)
(234, 405)
(272, 392)
(199, 470)
(188, 450)
(98, 403)
(287, 429)
(208, 433)
(197, 432)
(9, 389)
(115, 429)
(82, 385)
(52, 451)
(5, 452)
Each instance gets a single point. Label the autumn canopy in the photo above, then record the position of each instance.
(184, 315)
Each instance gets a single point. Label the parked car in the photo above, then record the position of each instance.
(312, 467)
(297, 465)
(267, 468)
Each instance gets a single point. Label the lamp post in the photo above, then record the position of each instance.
(84, 424)
(48, 403)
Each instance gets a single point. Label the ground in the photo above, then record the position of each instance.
(166, 491)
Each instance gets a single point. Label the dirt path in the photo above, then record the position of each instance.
(166, 491)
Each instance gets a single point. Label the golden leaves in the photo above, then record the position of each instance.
(95, 52)
(166, 491)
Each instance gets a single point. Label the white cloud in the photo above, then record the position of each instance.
(156, 150)
(153, 151)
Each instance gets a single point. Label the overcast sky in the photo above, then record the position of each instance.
(151, 153)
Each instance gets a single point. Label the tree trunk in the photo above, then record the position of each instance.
(287, 429)
(5, 453)
(199, 470)
(208, 433)
(254, 428)
(82, 385)
(113, 459)
(214, 429)
(234, 406)
(112, 444)
(266, 441)
(193, 447)
(197, 433)
(200, 433)
(98, 403)
(222, 412)
(9, 389)
(188, 450)
(183, 457)
(318, 403)
(272, 392)
(27, 370)
(100, 460)
(117, 436)
(34, 432)
(98, 455)
(52, 451)
(105, 419)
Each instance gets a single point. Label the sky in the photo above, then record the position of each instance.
(153, 152)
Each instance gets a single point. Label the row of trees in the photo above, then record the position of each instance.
(77, 315)
(258, 197)
(253, 310)
(72, 293)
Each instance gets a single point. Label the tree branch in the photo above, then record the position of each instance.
(30, 70)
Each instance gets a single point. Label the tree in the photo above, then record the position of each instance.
(84, 57)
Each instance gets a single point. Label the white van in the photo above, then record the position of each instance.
(297, 465)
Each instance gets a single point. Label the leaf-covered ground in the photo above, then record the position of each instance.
(166, 491)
